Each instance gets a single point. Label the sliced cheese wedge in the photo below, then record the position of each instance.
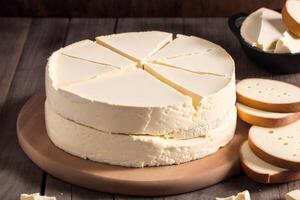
(132, 150)
(263, 28)
(91, 51)
(190, 83)
(132, 102)
(268, 95)
(68, 70)
(263, 172)
(245, 195)
(288, 43)
(216, 61)
(35, 196)
(183, 45)
(137, 46)
(277, 146)
(293, 195)
(291, 16)
(264, 118)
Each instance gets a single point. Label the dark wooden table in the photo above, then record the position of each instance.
(25, 45)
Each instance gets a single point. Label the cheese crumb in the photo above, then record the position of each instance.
(293, 195)
(245, 195)
(35, 196)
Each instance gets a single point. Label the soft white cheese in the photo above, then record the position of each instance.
(91, 51)
(288, 43)
(183, 45)
(216, 61)
(130, 150)
(137, 46)
(263, 28)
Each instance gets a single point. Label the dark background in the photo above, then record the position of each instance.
(131, 8)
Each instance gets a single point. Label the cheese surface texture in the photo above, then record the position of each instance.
(133, 150)
(143, 84)
(35, 196)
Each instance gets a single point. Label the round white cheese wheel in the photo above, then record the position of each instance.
(105, 87)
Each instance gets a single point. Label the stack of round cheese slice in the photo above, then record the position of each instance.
(272, 152)
(141, 99)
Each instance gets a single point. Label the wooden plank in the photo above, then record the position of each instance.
(132, 8)
(80, 29)
(17, 173)
(13, 35)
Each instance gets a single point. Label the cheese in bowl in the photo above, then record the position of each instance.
(141, 98)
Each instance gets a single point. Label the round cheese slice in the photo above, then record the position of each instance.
(291, 16)
(277, 146)
(264, 118)
(133, 150)
(263, 172)
(268, 95)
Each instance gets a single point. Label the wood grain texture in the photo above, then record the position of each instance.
(13, 35)
(80, 29)
(132, 8)
(17, 173)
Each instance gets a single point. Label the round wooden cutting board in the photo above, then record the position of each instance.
(149, 181)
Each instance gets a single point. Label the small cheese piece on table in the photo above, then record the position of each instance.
(216, 61)
(137, 46)
(277, 146)
(291, 16)
(183, 45)
(288, 43)
(35, 196)
(91, 51)
(133, 150)
(264, 118)
(263, 172)
(269, 95)
(132, 102)
(263, 28)
(293, 195)
(245, 195)
(68, 70)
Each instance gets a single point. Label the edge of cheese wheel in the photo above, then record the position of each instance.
(269, 95)
(291, 16)
(143, 151)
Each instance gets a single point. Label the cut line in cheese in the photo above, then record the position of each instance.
(269, 95)
(132, 150)
(264, 118)
(262, 171)
(263, 28)
(216, 62)
(93, 52)
(277, 146)
(122, 89)
(188, 83)
(137, 46)
(182, 46)
(291, 16)
(69, 70)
